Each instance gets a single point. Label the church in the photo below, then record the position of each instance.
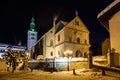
(63, 39)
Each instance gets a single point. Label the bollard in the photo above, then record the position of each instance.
(103, 72)
(74, 72)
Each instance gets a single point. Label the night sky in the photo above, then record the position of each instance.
(15, 16)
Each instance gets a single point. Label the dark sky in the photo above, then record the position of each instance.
(15, 16)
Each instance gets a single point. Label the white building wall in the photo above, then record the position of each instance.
(50, 48)
(32, 39)
(61, 35)
(114, 24)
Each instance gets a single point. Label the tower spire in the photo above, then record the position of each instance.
(32, 24)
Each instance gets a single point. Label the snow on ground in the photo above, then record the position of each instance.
(81, 74)
(62, 75)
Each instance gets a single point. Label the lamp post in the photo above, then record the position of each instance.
(68, 53)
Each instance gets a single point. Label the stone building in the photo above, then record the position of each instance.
(105, 46)
(64, 39)
(110, 19)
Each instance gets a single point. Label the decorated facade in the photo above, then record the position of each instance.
(64, 39)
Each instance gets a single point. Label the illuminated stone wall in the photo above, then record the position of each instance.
(79, 65)
(3, 66)
(74, 65)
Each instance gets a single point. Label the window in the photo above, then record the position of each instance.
(58, 37)
(78, 53)
(76, 22)
(85, 55)
(32, 38)
(2, 50)
(51, 43)
(78, 40)
(51, 53)
(32, 34)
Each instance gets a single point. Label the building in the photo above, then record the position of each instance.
(105, 46)
(31, 35)
(4, 47)
(110, 19)
(64, 39)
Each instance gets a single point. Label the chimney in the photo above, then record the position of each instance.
(54, 20)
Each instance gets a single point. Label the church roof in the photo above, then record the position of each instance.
(109, 11)
(60, 25)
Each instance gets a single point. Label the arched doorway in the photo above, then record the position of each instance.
(78, 53)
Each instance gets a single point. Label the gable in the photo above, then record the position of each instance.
(77, 23)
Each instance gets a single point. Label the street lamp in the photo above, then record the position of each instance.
(68, 53)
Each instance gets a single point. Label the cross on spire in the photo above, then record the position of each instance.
(76, 13)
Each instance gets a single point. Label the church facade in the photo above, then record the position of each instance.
(64, 39)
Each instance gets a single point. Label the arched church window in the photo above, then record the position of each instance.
(78, 40)
(78, 53)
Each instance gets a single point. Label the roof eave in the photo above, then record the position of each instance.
(106, 14)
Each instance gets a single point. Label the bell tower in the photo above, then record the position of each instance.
(31, 35)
